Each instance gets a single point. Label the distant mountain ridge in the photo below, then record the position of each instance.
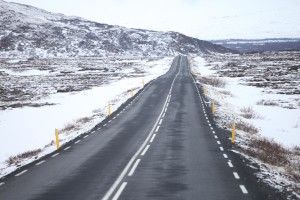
(26, 31)
(261, 45)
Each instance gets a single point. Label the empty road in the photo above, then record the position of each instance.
(162, 144)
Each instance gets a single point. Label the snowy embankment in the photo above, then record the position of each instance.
(268, 124)
(28, 129)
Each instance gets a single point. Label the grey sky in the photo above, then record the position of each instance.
(204, 19)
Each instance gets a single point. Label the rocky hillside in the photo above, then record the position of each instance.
(26, 31)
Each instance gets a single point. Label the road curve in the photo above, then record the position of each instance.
(162, 144)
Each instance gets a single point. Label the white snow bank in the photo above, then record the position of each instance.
(28, 128)
(281, 124)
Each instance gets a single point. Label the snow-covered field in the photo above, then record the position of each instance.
(27, 125)
(250, 95)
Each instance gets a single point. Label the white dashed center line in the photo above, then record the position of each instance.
(114, 118)
(120, 190)
(216, 137)
(236, 176)
(221, 148)
(134, 167)
(218, 142)
(1, 183)
(160, 122)
(153, 136)
(230, 164)
(157, 128)
(145, 150)
(41, 162)
(225, 155)
(86, 136)
(22, 172)
(244, 190)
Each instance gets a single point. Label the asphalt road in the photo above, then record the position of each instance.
(162, 144)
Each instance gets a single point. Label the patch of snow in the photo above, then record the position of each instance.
(30, 128)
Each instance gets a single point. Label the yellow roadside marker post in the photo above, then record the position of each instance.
(109, 112)
(233, 134)
(213, 108)
(204, 90)
(132, 92)
(143, 83)
(57, 139)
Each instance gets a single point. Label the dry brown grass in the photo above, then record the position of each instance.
(249, 113)
(84, 120)
(213, 81)
(248, 128)
(267, 103)
(227, 93)
(14, 160)
(68, 127)
(293, 170)
(50, 144)
(268, 151)
(76, 124)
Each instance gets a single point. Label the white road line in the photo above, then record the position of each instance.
(55, 155)
(134, 167)
(207, 121)
(125, 170)
(145, 150)
(104, 125)
(213, 132)
(67, 148)
(120, 190)
(86, 136)
(41, 162)
(22, 172)
(163, 115)
(218, 142)
(236, 176)
(157, 128)
(230, 164)
(109, 121)
(209, 124)
(93, 131)
(221, 148)
(167, 104)
(77, 141)
(118, 114)
(114, 118)
(1, 183)
(211, 128)
(243, 188)
(225, 155)
(166, 109)
(206, 118)
(153, 136)
(160, 122)
(216, 137)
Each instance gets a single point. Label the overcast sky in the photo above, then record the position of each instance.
(204, 19)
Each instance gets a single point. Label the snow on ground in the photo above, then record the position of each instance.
(281, 124)
(29, 128)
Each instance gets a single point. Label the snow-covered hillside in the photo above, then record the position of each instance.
(26, 31)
